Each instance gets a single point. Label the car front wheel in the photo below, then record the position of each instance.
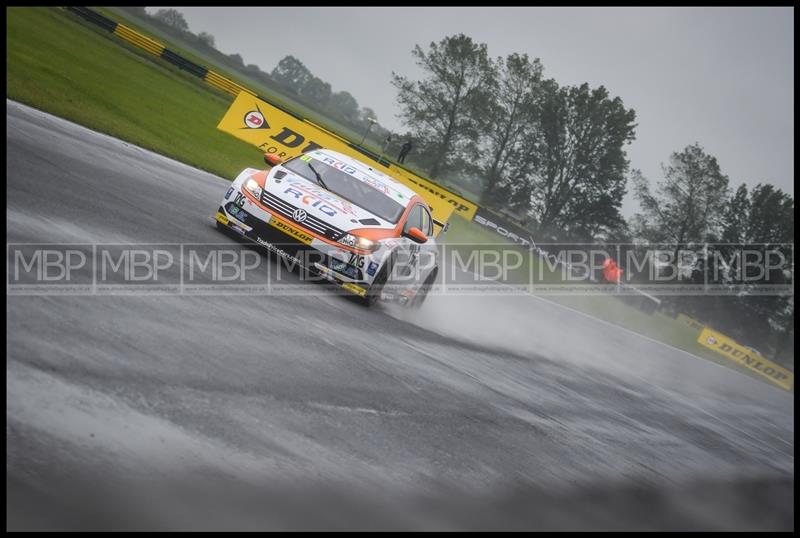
(373, 294)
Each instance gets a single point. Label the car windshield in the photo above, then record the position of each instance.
(348, 187)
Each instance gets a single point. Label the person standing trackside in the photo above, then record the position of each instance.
(404, 151)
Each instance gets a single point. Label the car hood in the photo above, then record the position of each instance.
(294, 192)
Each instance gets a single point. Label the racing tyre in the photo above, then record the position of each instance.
(373, 294)
(225, 230)
(422, 293)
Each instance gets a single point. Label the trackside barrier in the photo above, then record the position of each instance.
(143, 42)
(157, 49)
(225, 84)
(94, 17)
(749, 358)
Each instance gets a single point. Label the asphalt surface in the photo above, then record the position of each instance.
(311, 411)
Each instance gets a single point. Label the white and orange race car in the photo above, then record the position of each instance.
(339, 218)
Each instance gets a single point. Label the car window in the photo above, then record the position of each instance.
(347, 187)
(414, 218)
(426, 223)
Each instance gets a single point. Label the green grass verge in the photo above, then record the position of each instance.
(192, 53)
(58, 63)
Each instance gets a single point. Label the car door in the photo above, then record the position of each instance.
(428, 252)
(410, 252)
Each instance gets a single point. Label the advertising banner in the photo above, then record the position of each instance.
(747, 357)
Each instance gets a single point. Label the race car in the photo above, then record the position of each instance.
(339, 218)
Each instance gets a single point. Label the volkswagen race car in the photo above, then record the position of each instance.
(341, 219)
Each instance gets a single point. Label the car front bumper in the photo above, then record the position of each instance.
(291, 242)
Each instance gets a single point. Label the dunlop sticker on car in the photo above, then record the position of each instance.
(291, 231)
(746, 357)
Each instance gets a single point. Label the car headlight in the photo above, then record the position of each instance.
(252, 186)
(361, 243)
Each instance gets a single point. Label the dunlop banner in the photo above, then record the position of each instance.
(275, 131)
(746, 357)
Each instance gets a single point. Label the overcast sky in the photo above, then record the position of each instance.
(723, 77)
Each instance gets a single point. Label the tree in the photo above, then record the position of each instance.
(316, 91)
(292, 73)
(574, 164)
(761, 220)
(735, 217)
(770, 218)
(345, 106)
(513, 114)
(235, 60)
(447, 108)
(172, 18)
(253, 70)
(689, 202)
(687, 207)
(207, 39)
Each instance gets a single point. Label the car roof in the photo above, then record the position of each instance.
(375, 175)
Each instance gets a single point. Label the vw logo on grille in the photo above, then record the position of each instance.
(299, 215)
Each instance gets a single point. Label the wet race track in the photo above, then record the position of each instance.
(312, 411)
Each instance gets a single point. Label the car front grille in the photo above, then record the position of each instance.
(285, 209)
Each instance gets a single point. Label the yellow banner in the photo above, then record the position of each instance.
(746, 357)
(274, 131)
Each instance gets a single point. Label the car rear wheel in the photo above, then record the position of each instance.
(422, 292)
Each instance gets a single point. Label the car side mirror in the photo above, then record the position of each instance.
(272, 159)
(416, 235)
